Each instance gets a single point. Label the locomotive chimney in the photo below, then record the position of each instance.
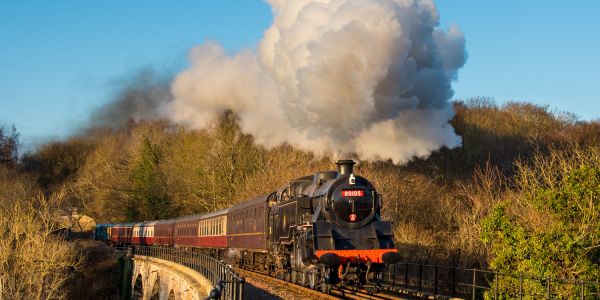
(345, 167)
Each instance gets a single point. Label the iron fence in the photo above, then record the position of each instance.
(485, 284)
(227, 283)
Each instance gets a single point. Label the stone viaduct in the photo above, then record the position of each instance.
(157, 279)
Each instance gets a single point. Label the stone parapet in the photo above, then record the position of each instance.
(159, 279)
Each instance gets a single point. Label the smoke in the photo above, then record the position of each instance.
(370, 77)
(142, 95)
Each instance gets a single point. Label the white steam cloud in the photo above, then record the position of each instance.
(371, 77)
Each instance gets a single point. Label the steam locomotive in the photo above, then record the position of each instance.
(318, 231)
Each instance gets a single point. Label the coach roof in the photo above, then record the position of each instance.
(251, 202)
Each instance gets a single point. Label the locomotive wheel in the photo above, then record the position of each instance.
(324, 286)
(312, 280)
(279, 274)
(303, 279)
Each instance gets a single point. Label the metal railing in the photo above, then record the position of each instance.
(227, 283)
(475, 284)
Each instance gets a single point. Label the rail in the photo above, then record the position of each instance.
(485, 284)
(226, 282)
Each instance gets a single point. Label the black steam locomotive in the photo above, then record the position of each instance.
(318, 231)
(326, 230)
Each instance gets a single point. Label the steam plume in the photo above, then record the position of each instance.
(371, 77)
(137, 97)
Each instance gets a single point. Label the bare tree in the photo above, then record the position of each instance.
(35, 259)
(9, 146)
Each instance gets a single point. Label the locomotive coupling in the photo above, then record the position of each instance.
(330, 259)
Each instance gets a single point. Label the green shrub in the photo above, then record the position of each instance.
(565, 247)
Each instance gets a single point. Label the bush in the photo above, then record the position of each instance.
(563, 246)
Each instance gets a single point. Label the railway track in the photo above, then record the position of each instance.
(300, 292)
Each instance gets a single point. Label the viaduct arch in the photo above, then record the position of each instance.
(157, 279)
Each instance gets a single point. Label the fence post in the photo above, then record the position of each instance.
(496, 286)
(405, 275)
(453, 282)
(582, 289)
(420, 275)
(474, 277)
(520, 286)
(436, 279)
(548, 287)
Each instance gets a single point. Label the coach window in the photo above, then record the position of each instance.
(262, 210)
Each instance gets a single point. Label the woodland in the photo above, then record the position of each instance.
(522, 194)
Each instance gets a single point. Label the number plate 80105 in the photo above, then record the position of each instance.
(357, 193)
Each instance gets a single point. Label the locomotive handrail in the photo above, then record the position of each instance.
(226, 282)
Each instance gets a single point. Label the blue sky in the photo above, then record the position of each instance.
(58, 60)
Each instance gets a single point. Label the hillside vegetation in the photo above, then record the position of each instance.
(520, 195)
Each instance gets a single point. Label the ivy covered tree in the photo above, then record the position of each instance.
(148, 184)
